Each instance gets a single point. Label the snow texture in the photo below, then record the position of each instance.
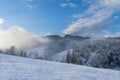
(19, 68)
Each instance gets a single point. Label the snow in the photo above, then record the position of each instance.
(19, 68)
(39, 51)
(60, 56)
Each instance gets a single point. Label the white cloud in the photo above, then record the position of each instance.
(68, 4)
(94, 19)
(88, 26)
(20, 38)
(112, 35)
(48, 33)
(1, 21)
(111, 3)
(31, 7)
(31, 4)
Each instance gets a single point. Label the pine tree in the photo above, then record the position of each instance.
(68, 57)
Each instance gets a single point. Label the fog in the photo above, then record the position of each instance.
(20, 38)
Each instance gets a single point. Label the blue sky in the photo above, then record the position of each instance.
(47, 17)
(77, 17)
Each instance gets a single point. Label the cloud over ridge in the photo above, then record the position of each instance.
(95, 18)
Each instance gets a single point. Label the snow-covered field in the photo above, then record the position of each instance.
(19, 68)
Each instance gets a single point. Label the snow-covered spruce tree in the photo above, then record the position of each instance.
(14, 51)
(23, 53)
(77, 56)
(69, 57)
(98, 53)
(11, 50)
(1, 51)
(113, 58)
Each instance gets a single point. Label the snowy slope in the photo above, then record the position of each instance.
(39, 51)
(18, 68)
(60, 56)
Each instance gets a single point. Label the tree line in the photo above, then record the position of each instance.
(14, 51)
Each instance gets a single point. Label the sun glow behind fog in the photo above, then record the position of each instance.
(19, 37)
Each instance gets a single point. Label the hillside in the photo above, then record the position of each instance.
(19, 68)
(101, 53)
